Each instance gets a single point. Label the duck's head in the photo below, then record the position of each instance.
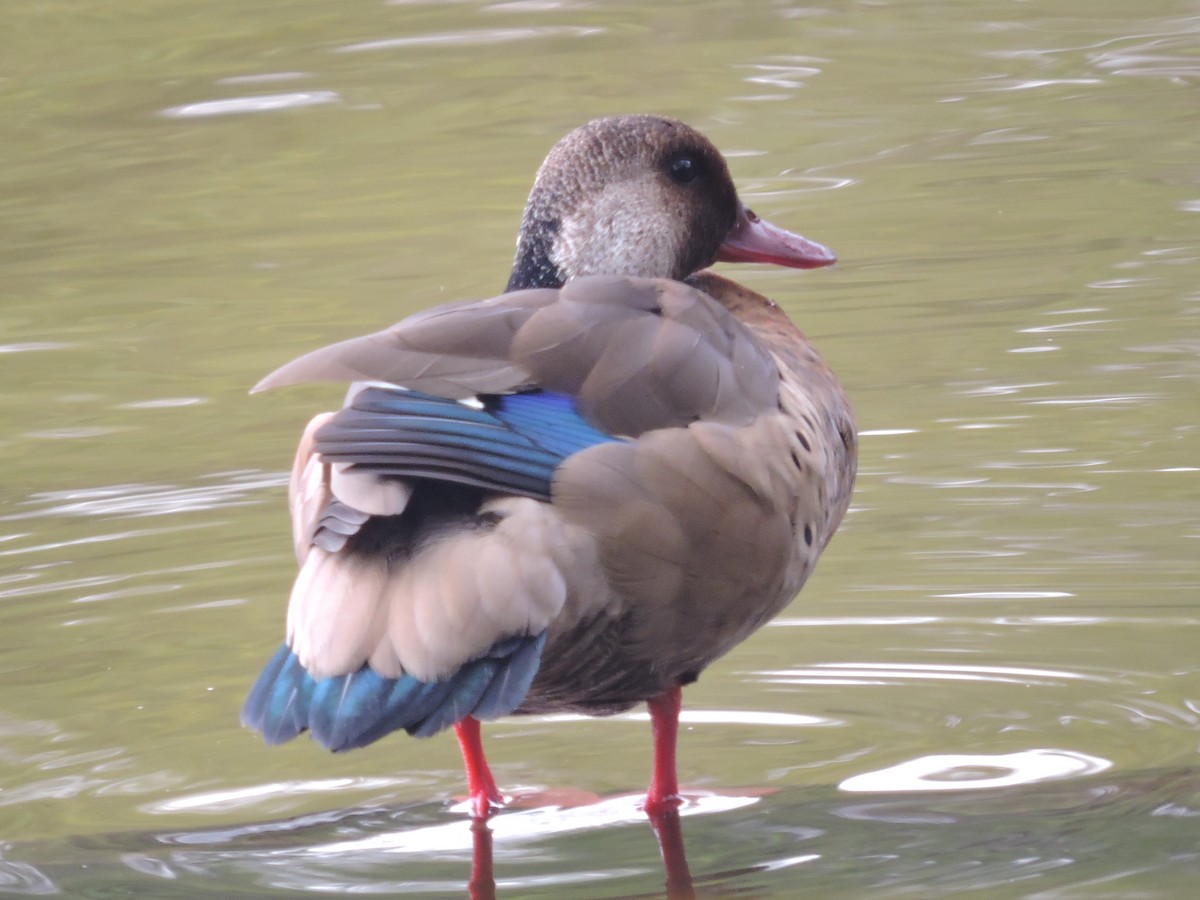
(643, 196)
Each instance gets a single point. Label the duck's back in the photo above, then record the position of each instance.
(702, 532)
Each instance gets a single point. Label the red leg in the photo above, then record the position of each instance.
(664, 723)
(480, 783)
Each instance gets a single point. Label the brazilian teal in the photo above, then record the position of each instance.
(573, 496)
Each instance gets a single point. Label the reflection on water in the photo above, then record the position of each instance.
(219, 491)
(468, 38)
(523, 825)
(897, 673)
(258, 104)
(968, 772)
(813, 841)
(228, 799)
(990, 685)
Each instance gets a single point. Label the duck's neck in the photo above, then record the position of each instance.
(541, 222)
(533, 267)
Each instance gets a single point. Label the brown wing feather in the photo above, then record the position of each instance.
(456, 350)
(617, 344)
(638, 353)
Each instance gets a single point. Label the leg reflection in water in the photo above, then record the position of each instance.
(667, 830)
(670, 841)
(482, 885)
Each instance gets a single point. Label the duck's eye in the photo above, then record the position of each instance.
(683, 169)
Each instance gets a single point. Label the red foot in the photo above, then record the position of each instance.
(480, 783)
(663, 795)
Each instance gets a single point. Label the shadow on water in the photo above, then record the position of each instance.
(1057, 839)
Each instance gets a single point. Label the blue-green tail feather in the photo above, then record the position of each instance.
(348, 711)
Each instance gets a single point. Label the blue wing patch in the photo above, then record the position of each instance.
(551, 420)
(513, 444)
(354, 710)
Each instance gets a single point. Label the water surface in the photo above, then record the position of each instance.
(990, 685)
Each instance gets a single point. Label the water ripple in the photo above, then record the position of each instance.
(238, 798)
(22, 878)
(230, 489)
(470, 38)
(257, 104)
(526, 825)
(979, 771)
(790, 74)
(1008, 620)
(164, 403)
(899, 673)
(703, 717)
(1154, 58)
(34, 346)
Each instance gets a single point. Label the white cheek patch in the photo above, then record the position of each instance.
(620, 232)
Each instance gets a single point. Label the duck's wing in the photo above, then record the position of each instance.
(456, 350)
(545, 375)
(636, 353)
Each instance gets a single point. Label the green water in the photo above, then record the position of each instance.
(991, 686)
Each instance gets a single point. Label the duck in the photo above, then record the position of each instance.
(571, 497)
